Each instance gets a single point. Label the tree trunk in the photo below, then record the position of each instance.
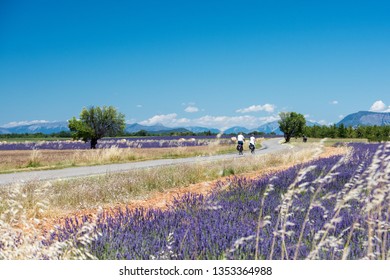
(93, 143)
(287, 137)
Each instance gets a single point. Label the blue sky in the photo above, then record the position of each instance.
(208, 63)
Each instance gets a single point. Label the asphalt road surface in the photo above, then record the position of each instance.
(268, 146)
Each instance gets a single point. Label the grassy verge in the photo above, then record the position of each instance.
(66, 196)
(328, 142)
(17, 161)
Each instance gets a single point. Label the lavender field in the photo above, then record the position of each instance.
(141, 142)
(331, 208)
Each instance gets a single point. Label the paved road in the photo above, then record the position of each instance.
(269, 146)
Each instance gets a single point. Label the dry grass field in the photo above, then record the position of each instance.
(27, 160)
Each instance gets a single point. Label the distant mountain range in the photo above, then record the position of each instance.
(366, 118)
(160, 128)
(354, 120)
(41, 127)
(55, 127)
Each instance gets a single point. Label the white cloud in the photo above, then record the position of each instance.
(341, 116)
(220, 122)
(334, 102)
(379, 106)
(139, 106)
(224, 122)
(320, 122)
(159, 119)
(323, 122)
(169, 120)
(191, 109)
(256, 108)
(131, 121)
(13, 124)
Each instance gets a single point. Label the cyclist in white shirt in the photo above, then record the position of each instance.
(240, 143)
(252, 145)
(252, 140)
(240, 139)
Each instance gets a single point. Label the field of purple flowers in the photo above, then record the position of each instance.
(140, 142)
(332, 208)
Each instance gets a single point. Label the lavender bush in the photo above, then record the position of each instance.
(332, 208)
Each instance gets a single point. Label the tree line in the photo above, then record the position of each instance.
(372, 133)
(293, 124)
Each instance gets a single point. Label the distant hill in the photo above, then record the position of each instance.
(273, 127)
(236, 130)
(135, 127)
(366, 118)
(269, 128)
(171, 130)
(45, 128)
(199, 129)
(309, 123)
(4, 131)
(160, 128)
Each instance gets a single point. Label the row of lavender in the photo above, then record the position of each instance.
(334, 208)
(149, 142)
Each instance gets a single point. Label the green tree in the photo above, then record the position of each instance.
(291, 124)
(96, 123)
(350, 132)
(142, 132)
(332, 132)
(342, 131)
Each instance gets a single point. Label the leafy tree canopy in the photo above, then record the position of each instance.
(96, 123)
(291, 124)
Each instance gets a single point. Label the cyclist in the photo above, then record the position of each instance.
(252, 143)
(240, 142)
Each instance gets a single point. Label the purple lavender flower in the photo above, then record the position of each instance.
(323, 215)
